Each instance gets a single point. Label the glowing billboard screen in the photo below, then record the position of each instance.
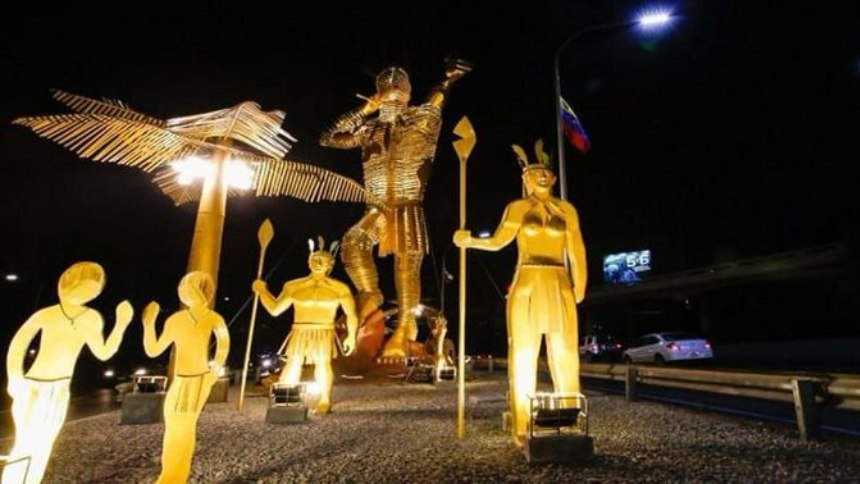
(626, 267)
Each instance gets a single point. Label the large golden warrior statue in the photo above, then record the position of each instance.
(543, 296)
(316, 299)
(397, 150)
(41, 395)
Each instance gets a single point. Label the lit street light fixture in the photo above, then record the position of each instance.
(648, 20)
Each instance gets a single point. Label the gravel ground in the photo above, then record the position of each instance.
(386, 432)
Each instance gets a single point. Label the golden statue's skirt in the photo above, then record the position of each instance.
(311, 342)
(188, 393)
(42, 402)
(541, 297)
(404, 230)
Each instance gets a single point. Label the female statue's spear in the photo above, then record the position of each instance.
(463, 147)
(264, 236)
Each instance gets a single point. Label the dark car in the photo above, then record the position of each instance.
(600, 347)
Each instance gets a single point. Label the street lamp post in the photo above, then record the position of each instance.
(647, 20)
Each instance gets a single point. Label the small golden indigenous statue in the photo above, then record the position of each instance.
(543, 296)
(41, 396)
(397, 150)
(189, 330)
(316, 299)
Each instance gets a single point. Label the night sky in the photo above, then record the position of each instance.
(731, 134)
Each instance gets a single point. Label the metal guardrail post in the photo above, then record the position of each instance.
(630, 383)
(804, 407)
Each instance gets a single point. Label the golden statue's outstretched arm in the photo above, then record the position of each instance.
(105, 348)
(153, 345)
(576, 253)
(275, 306)
(344, 133)
(347, 303)
(504, 234)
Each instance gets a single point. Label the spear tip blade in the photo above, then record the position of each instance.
(266, 233)
(466, 143)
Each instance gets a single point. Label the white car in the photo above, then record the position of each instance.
(664, 347)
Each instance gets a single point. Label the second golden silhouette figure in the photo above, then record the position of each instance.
(190, 331)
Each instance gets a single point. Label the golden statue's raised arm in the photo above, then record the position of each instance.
(454, 70)
(345, 133)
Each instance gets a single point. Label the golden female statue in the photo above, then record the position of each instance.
(542, 299)
(41, 397)
(397, 150)
(190, 331)
(316, 299)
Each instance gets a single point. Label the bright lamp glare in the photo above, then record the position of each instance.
(654, 19)
(190, 169)
(313, 388)
(239, 175)
(484, 234)
(140, 372)
(11, 277)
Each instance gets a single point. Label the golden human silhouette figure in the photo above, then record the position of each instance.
(41, 396)
(542, 299)
(397, 150)
(189, 330)
(316, 299)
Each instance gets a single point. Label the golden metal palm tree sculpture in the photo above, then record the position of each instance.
(231, 151)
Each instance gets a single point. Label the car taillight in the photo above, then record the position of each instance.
(618, 346)
(673, 346)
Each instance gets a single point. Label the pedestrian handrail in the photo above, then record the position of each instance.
(807, 391)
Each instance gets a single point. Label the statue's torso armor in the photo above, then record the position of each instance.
(397, 156)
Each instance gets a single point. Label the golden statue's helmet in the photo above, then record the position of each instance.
(393, 78)
(196, 289)
(81, 282)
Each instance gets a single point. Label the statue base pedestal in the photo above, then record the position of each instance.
(142, 408)
(286, 415)
(559, 448)
(218, 394)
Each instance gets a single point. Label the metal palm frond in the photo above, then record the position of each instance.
(245, 123)
(107, 107)
(274, 178)
(109, 131)
(305, 182)
(115, 139)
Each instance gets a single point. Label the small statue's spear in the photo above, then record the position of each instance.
(264, 236)
(463, 147)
